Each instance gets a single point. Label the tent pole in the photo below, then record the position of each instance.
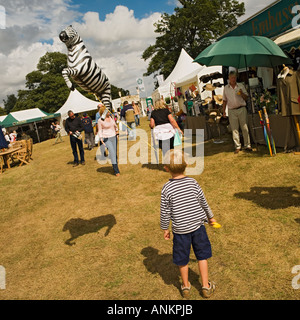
(37, 132)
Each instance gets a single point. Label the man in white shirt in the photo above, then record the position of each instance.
(235, 97)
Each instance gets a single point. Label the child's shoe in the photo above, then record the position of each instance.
(185, 291)
(208, 292)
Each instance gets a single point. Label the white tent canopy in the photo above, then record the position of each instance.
(195, 76)
(184, 67)
(2, 118)
(78, 104)
(25, 115)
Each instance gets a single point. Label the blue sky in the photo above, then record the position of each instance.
(141, 8)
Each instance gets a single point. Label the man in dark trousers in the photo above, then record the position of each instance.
(89, 131)
(74, 127)
(128, 113)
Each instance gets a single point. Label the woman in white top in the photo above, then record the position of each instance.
(164, 126)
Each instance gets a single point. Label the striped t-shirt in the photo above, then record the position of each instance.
(183, 202)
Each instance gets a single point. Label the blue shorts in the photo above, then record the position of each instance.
(182, 246)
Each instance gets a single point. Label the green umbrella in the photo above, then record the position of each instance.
(242, 52)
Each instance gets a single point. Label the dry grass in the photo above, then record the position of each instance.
(255, 198)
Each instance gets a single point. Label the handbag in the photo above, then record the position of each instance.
(177, 139)
(97, 139)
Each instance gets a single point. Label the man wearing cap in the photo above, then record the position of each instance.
(235, 97)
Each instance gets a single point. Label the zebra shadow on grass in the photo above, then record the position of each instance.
(163, 265)
(81, 227)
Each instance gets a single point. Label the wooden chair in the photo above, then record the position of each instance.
(1, 164)
(22, 154)
(29, 149)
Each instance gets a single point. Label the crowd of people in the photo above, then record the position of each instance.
(104, 132)
(10, 136)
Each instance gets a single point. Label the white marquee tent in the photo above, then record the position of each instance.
(78, 104)
(195, 76)
(184, 67)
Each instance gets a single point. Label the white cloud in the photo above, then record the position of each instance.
(254, 6)
(116, 43)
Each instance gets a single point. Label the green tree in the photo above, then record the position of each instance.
(10, 103)
(2, 111)
(193, 26)
(115, 92)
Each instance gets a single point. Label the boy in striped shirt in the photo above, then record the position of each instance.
(183, 202)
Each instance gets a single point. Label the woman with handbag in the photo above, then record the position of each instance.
(164, 126)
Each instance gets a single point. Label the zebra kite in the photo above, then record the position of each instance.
(83, 69)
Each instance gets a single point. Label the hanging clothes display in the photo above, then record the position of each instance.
(288, 86)
(267, 76)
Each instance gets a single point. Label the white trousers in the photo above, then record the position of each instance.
(238, 118)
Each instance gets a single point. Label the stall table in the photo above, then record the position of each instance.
(201, 122)
(282, 130)
(195, 123)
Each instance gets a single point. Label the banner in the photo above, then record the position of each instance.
(271, 22)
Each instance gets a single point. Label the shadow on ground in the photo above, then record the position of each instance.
(81, 227)
(158, 167)
(107, 170)
(162, 264)
(272, 197)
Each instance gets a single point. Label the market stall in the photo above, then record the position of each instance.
(33, 123)
(184, 67)
(270, 86)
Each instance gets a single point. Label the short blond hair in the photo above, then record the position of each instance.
(102, 110)
(175, 161)
(159, 104)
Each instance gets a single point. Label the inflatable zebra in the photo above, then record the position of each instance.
(83, 69)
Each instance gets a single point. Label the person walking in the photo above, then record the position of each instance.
(89, 131)
(58, 133)
(74, 127)
(108, 133)
(164, 126)
(235, 98)
(137, 113)
(128, 113)
(183, 203)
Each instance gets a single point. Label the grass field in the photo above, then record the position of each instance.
(82, 233)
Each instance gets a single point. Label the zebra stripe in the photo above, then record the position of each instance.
(83, 69)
